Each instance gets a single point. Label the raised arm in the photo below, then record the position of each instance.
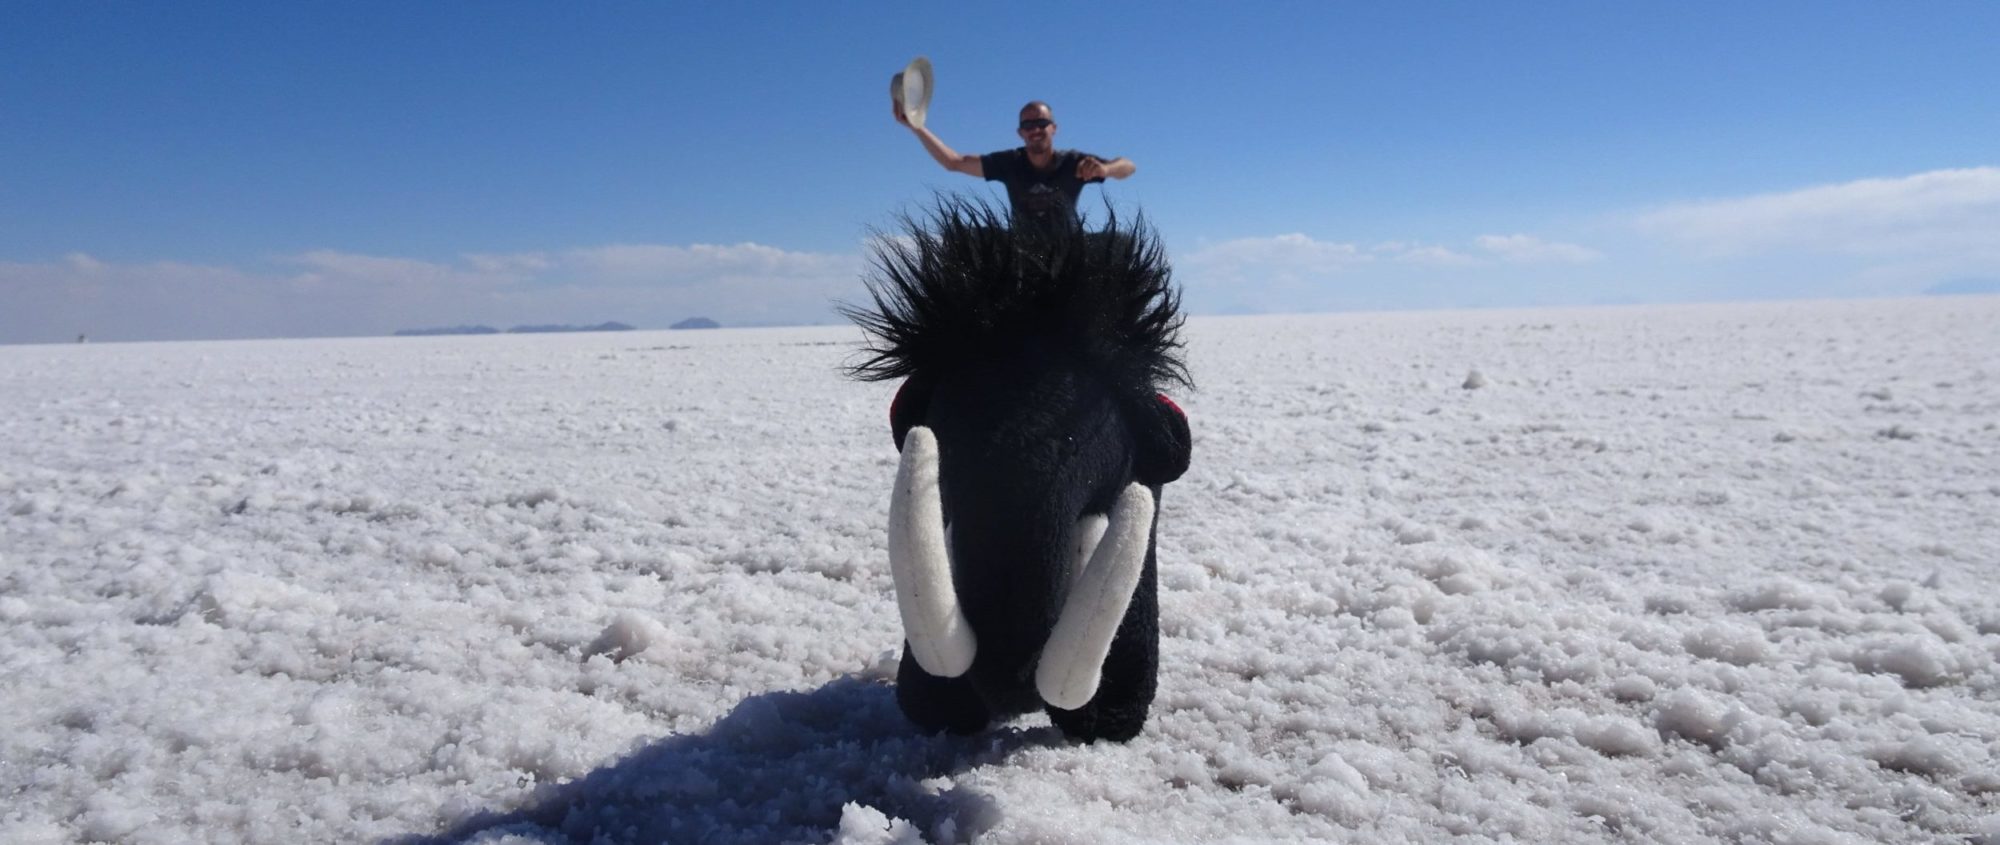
(1092, 167)
(945, 156)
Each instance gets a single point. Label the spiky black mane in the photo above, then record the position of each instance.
(960, 282)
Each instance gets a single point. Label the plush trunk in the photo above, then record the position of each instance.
(1024, 455)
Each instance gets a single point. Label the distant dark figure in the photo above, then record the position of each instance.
(1042, 182)
(1034, 443)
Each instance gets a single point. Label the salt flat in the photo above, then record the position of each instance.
(1699, 573)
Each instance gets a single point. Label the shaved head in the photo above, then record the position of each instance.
(1038, 129)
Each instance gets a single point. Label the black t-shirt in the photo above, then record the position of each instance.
(1038, 196)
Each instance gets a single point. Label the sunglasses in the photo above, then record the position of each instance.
(1037, 123)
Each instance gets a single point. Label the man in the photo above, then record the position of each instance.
(1042, 181)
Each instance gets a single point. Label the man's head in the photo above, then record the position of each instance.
(1038, 127)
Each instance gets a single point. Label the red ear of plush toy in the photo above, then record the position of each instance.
(1165, 443)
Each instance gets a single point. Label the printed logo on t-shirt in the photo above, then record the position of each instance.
(1041, 199)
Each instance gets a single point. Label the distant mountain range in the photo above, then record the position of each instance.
(600, 327)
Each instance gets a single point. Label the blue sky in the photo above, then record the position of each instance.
(203, 170)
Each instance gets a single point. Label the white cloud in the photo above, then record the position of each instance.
(525, 263)
(352, 271)
(57, 300)
(1277, 273)
(1292, 254)
(1528, 249)
(1953, 212)
(696, 263)
(1430, 255)
(329, 292)
(1295, 257)
(1298, 256)
(1295, 272)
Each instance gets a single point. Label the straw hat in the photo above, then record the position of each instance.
(911, 89)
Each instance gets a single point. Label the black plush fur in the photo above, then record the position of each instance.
(1037, 359)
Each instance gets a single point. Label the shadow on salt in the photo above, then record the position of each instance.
(781, 767)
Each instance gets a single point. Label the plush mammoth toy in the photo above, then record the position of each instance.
(1035, 441)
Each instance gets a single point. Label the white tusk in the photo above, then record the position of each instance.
(920, 561)
(1084, 539)
(1072, 663)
